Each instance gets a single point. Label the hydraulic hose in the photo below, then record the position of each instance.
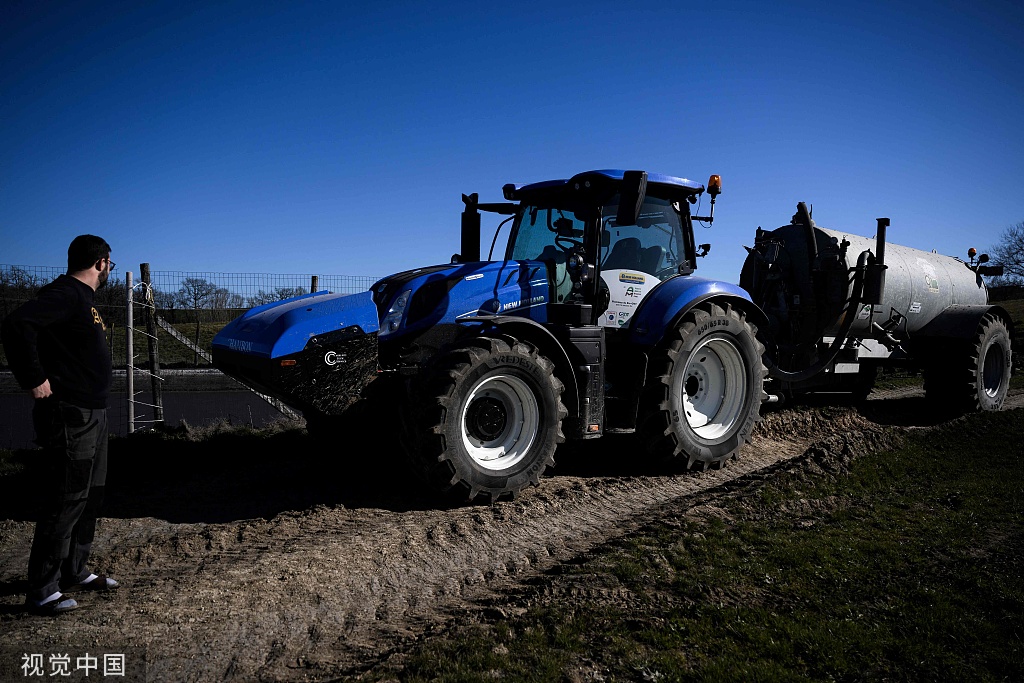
(833, 350)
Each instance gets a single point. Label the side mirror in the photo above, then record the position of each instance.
(631, 197)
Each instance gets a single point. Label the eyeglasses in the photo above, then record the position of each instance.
(109, 262)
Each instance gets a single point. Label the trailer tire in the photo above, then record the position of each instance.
(989, 362)
(486, 420)
(684, 416)
(978, 375)
(861, 383)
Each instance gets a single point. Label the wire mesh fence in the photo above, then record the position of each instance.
(194, 306)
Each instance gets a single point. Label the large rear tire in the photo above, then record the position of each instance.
(990, 365)
(704, 390)
(976, 375)
(486, 420)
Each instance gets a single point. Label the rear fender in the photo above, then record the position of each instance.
(957, 324)
(961, 322)
(663, 308)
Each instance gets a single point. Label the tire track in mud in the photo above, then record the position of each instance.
(320, 593)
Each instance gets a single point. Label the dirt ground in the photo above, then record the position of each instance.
(292, 566)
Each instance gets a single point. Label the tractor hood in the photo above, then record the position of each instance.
(286, 327)
(315, 352)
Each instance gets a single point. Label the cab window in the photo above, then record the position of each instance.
(547, 234)
(654, 245)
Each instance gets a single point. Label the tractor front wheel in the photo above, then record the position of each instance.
(487, 420)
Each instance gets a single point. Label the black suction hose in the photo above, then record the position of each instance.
(833, 350)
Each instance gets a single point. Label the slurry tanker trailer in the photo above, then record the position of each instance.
(840, 306)
(594, 322)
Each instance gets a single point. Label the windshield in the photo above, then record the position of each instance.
(654, 245)
(547, 234)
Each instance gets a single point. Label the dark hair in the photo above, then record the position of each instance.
(85, 250)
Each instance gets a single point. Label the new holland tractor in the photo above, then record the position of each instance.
(593, 322)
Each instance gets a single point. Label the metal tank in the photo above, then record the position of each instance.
(806, 294)
(918, 284)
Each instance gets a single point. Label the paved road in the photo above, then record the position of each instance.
(195, 406)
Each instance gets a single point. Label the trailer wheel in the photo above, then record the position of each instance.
(862, 382)
(974, 375)
(487, 420)
(704, 390)
(988, 362)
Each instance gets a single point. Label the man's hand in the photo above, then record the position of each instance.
(42, 391)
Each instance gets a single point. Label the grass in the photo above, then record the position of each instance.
(911, 567)
(175, 354)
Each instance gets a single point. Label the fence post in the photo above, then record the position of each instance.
(314, 283)
(129, 356)
(154, 349)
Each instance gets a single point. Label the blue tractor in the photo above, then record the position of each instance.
(592, 323)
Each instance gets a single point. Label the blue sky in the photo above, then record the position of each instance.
(337, 138)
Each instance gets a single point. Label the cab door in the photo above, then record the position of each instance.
(635, 259)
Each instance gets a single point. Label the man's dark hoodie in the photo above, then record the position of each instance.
(60, 336)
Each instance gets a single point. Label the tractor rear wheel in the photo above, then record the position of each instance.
(704, 390)
(487, 419)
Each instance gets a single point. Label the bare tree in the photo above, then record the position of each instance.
(279, 294)
(225, 299)
(110, 299)
(1010, 253)
(17, 285)
(196, 292)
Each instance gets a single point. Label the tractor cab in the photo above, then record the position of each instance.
(600, 250)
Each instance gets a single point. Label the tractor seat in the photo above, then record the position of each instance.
(651, 259)
(625, 255)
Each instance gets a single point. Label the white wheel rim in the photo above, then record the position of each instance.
(511, 439)
(992, 371)
(713, 388)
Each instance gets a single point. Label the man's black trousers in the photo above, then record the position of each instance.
(73, 477)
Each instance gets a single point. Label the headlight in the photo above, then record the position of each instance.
(393, 320)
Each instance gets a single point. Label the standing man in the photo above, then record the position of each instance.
(56, 345)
